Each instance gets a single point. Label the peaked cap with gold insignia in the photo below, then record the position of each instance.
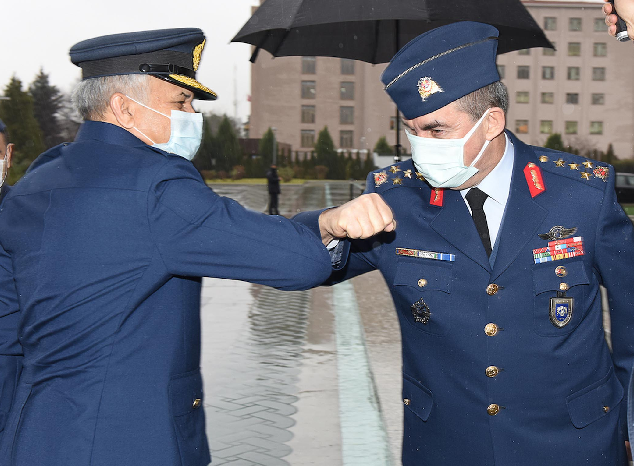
(440, 66)
(172, 55)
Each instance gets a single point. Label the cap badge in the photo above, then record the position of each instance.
(427, 87)
(198, 51)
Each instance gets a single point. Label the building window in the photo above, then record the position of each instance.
(574, 49)
(521, 97)
(571, 127)
(548, 72)
(598, 99)
(346, 139)
(501, 70)
(523, 72)
(546, 127)
(598, 74)
(574, 24)
(308, 138)
(308, 89)
(308, 114)
(600, 49)
(549, 52)
(524, 52)
(346, 91)
(599, 25)
(550, 23)
(572, 98)
(346, 115)
(548, 97)
(521, 126)
(309, 65)
(347, 66)
(393, 123)
(574, 73)
(596, 127)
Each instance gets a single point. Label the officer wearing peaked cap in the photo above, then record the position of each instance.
(103, 244)
(495, 269)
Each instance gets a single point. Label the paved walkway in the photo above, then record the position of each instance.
(301, 378)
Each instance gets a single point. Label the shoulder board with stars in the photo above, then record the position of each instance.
(400, 174)
(574, 166)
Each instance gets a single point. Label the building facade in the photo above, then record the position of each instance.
(583, 90)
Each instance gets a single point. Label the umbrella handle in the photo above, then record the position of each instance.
(621, 27)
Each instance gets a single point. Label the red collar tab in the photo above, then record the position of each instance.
(437, 196)
(534, 179)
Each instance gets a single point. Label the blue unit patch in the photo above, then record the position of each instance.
(560, 311)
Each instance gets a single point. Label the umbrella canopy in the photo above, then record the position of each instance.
(374, 30)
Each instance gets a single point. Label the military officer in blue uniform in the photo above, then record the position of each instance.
(10, 365)
(102, 246)
(495, 268)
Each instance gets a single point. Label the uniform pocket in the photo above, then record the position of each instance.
(186, 402)
(595, 401)
(547, 283)
(427, 286)
(417, 398)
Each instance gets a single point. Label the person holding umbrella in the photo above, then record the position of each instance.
(495, 270)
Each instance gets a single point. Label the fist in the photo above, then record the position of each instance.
(360, 218)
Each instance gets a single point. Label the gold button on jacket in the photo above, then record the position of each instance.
(493, 409)
(492, 289)
(492, 371)
(491, 329)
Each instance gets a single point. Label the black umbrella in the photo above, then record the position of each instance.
(374, 30)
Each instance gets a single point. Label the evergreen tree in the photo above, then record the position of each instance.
(326, 154)
(382, 147)
(555, 142)
(609, 155)
(229, 151)
(266, 148)
(368, 166)
(17, 114)
(47, 102)
(204, 157)
(68, 119)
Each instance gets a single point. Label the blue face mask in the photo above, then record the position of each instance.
(186, 132)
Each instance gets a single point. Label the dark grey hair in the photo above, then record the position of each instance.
(478, 101)
(91, 97)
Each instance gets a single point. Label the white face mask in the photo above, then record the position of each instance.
(441, 161)
(186, 132)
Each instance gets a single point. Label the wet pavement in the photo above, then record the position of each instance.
(306, 377)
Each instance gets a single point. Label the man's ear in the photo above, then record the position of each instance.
(123, 109)
(9, 154)
(496, 123)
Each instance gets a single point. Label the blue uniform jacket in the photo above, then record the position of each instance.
(10, 365)
(523, 392)
(103, 244)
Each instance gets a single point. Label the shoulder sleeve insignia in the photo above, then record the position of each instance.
(380, 178)
(534, 179)
(602, 172)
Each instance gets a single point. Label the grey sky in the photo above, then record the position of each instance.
(38, 33)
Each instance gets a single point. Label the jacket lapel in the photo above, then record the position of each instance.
(455, 225)
(522, 216)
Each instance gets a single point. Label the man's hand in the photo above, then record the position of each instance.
(360, 218)
(626, 11)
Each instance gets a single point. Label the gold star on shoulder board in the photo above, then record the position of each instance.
(586, 175)
(587, 164)
(560, 163)
(394, 169)
(574, 166)
(397, 181)
(420, 176)
(543, 158)
(407, 173)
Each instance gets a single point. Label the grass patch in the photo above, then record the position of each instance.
(629, 209)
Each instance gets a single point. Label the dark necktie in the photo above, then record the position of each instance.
(475, 198)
